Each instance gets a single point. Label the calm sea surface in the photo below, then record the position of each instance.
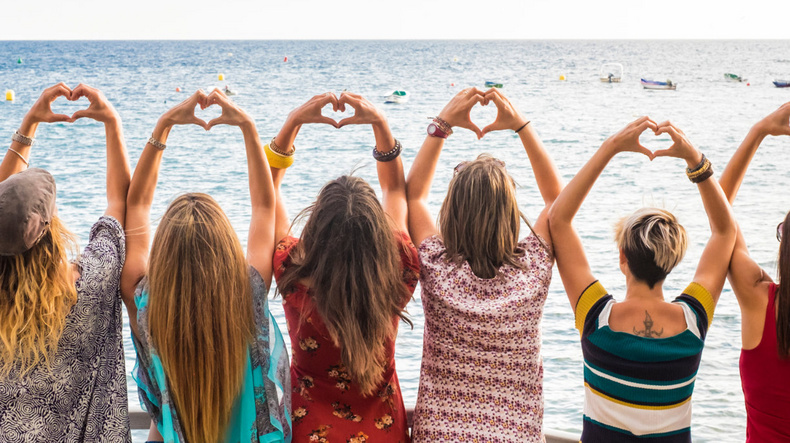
(572, 116)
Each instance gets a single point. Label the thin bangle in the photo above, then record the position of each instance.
(522, 126)
(20, 156)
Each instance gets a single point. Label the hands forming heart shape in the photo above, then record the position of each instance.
(99, 109)
(627, 140)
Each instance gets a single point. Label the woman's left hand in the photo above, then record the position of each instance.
(507, 116)
(681, 146)
(100, 109)
(231, 114)
(365, 113)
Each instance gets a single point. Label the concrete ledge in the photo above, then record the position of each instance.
(139, 420)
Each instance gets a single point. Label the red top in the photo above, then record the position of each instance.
(766, 385)
(327, 406)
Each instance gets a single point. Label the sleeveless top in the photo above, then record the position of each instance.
(638, 389)
(766, 384)
(261, 413)
(481, 377)
(327, 404)
(82, 398)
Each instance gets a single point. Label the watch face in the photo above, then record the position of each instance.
(432, 129)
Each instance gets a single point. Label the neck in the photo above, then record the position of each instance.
(639, 290)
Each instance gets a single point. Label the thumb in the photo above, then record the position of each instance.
(489, 128)
(328, 121)
(473, 127)
(345, 121)
(60, 118)
(213, 122)
(650, 154)
(663, 153)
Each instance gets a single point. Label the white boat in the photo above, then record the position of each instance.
(398, 97)
(653, 84)
(228, 91)
(611, 73)
(735, 78)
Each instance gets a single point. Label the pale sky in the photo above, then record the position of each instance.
(407, 19)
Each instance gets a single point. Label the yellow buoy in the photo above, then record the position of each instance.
(9, 95)
(221, 77)
(562, 78)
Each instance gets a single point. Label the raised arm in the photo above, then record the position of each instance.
(118, 172)
(715, 259)
(571, 260)
(260, 241)
(17, 158)
(418, 184)
(309, 112)
(546, 174)
(747, 278)
(391, 176)
(141, 196)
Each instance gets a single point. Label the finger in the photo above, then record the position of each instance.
(347, 121)
(202, 98)
(213, 122)
(673, 133)
(647, 124)
(80, 114)
(647, 152)
(327, 120)
(58, 118)
(490, 128)
(57, 91)
(83, 90)
(472, 127)
(202, 123)
(497, 99)
(665, 123)
(663, 153)
(347, 98)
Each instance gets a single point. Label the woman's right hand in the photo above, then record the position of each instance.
(681, 146)
(184, 112)
(41, 111)
(310, 111)
(457, 111)
(627, 140)
(776, 123)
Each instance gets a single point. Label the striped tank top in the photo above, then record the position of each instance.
(638, 389)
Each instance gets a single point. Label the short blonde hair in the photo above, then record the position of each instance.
(653, 241)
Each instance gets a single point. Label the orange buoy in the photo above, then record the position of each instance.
(178, 89)
(452, 84)
(748, 84)
(285, 59)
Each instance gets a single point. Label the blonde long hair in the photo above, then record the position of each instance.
(349, 254)
(200, 312)
(480, 220)
(36, 294)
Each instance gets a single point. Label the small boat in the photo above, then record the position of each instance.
(398, 97)
(494, 85)
(652, 84)
(782, 83)
(735, 78)
(228, 91)
(611, 73)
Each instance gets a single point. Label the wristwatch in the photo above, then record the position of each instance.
(435, 131)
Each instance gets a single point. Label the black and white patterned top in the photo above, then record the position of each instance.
(83, 397)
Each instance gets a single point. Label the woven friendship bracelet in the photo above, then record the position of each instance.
(22, 139)
(156, 144)
(390, 155)
(523, 126)
(699, 165)
(699, 171)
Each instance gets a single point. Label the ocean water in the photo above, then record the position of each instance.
(572, 116)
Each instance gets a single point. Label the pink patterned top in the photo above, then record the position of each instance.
(482, 374)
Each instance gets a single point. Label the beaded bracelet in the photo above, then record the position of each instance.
(22, 139)
(277, 160)
(390, 155)
(699, 165)
(273, 146)
(702, 173)
(443, 125)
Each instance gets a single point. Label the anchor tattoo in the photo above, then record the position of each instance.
(648, 331)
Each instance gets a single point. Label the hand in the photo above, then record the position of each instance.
(184, 112)
(365, 113)
(310, 112)
(776, 123)
(41, 111)
(231, 114)
(681, 146)
(457, 111)
(507, 116)
(628, 138)
(100, 109)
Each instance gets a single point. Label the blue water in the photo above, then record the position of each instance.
(573, 118)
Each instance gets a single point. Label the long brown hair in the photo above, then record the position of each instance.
(783, 293)
(36, 294)
(200, 312)
(480, 220)
(350, 257)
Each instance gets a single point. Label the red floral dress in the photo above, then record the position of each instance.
(327, 406)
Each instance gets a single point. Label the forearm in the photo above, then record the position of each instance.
(260, 177)
(546, 174)
(146, 173)
(282, 224)
(418, 184)
(118, 171)
(733, 174)
(719, 211)
(571, 198)
(12, 161)
(391, 175)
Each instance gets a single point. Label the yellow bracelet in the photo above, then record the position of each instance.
(277, 160)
